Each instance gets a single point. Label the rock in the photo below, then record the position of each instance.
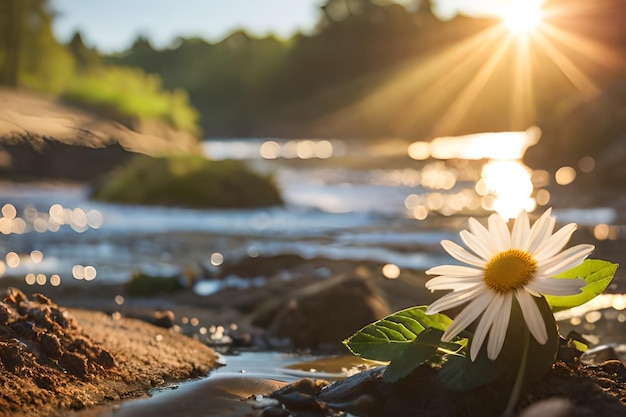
(599, 354)
(329, 311)
(552, 407)
(576, 391)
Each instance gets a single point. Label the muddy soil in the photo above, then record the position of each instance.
(569, 389)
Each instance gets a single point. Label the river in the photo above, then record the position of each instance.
(343, 200)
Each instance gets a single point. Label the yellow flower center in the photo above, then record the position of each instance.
(509, 270)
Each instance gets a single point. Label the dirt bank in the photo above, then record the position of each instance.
(43, 137)
(55, 360)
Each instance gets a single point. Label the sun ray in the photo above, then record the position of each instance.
(493, 78)
(523, 109)
(463, 102)
(589, 48)
(577, 77)
(454, 63)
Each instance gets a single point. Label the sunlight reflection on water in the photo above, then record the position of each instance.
(369, 202)
(505, 183)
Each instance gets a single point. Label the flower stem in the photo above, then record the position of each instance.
(519, 379)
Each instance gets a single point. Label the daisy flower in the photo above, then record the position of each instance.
(503, 265)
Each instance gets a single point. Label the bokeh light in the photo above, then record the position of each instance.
(419, 150)
(9, 211)
(89, 273)
(78, 272)
(565, 175)
(12, 259)
(36, 256)
(55, 280)
(6, 226)
(391, 271)
(217, 259)
(30, 279)
(270, 149)
(586, 164)
(604, 231)
(94, 219)
(542, 197)
(41, 279)
(324, 149)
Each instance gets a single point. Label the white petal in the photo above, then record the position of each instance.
(461, 254)
(532, 316)
(556, 286)
(499, 328)
(492, 310)
(483, 234)
(541, 230)
(476, 245)
(521, 231)
(453, 283)
(499, 232)
(455, 271)
(555, 243)
(468, 315)
(454, 299)
(564, 260)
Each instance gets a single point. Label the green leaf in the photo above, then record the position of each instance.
(461, 374)
(385, 339)
(415, 353)
(596, 273)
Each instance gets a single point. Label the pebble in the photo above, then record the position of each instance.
(551, 407)
(599, 354)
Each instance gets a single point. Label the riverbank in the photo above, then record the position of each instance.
(146, 356)
(43, 137)
(56, 360)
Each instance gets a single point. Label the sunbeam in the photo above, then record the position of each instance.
(467, 97)
(594, 51)
(498, 77)
(577, 77)
(523, 108)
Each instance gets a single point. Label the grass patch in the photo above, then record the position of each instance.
(144, 285)
(188, 181)
(133, 93)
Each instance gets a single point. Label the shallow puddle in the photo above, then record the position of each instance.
(227, 390)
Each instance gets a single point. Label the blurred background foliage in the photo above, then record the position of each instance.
(31, 57)
(371, 69)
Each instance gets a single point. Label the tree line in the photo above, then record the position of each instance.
(336, 81)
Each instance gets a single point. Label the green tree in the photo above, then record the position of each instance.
(29, 54)
(86, 58)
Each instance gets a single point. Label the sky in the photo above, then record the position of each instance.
(113, 25)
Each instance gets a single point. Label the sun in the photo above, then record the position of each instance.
(522, 16)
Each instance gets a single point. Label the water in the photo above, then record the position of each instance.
(236, 389)
(344, 200)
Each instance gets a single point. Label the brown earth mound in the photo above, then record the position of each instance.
(42, 137)
(54, 360)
